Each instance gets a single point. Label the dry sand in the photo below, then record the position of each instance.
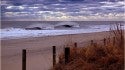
(39, 50)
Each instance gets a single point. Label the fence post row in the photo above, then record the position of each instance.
(24, 59)
(67, 54)
(54, 55)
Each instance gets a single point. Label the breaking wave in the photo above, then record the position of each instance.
(40, 26)
(67, 24)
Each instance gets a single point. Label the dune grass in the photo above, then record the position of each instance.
(106, 56)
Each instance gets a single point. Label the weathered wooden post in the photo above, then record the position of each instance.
(54, 55)
(104, 41)
(75, 49)
(67, 54)
(113, 41)
(75, 44)
(92, 42)
(24, 59)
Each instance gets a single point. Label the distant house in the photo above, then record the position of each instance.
(39, 26)
(67, 24)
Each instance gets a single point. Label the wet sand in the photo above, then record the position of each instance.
(39, 49)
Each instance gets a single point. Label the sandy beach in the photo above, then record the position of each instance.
(38, 25)
(39, 49)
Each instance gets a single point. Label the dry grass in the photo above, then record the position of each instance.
(109, 56)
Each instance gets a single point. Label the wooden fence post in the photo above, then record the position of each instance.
(75, 49)
(24, 59)
(92, 42)
(113, 41)
(75, 44)
(54, 55)
(67, 54)
(104, 41)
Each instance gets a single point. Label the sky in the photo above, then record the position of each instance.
(62, 10)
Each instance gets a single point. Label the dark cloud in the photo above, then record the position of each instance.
(72, 0)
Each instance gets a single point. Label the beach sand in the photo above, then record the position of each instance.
(39, 49)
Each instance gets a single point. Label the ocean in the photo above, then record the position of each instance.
(16, 29)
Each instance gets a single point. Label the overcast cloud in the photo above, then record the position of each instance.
(71, 10)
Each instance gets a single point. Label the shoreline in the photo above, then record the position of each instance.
(48, 36)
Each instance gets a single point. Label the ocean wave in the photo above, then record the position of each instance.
(16, 33)
(39, 26)
(67, 24)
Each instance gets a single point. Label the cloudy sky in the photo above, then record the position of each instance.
(62, 10)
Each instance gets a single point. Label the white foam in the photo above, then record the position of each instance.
(15, 33)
